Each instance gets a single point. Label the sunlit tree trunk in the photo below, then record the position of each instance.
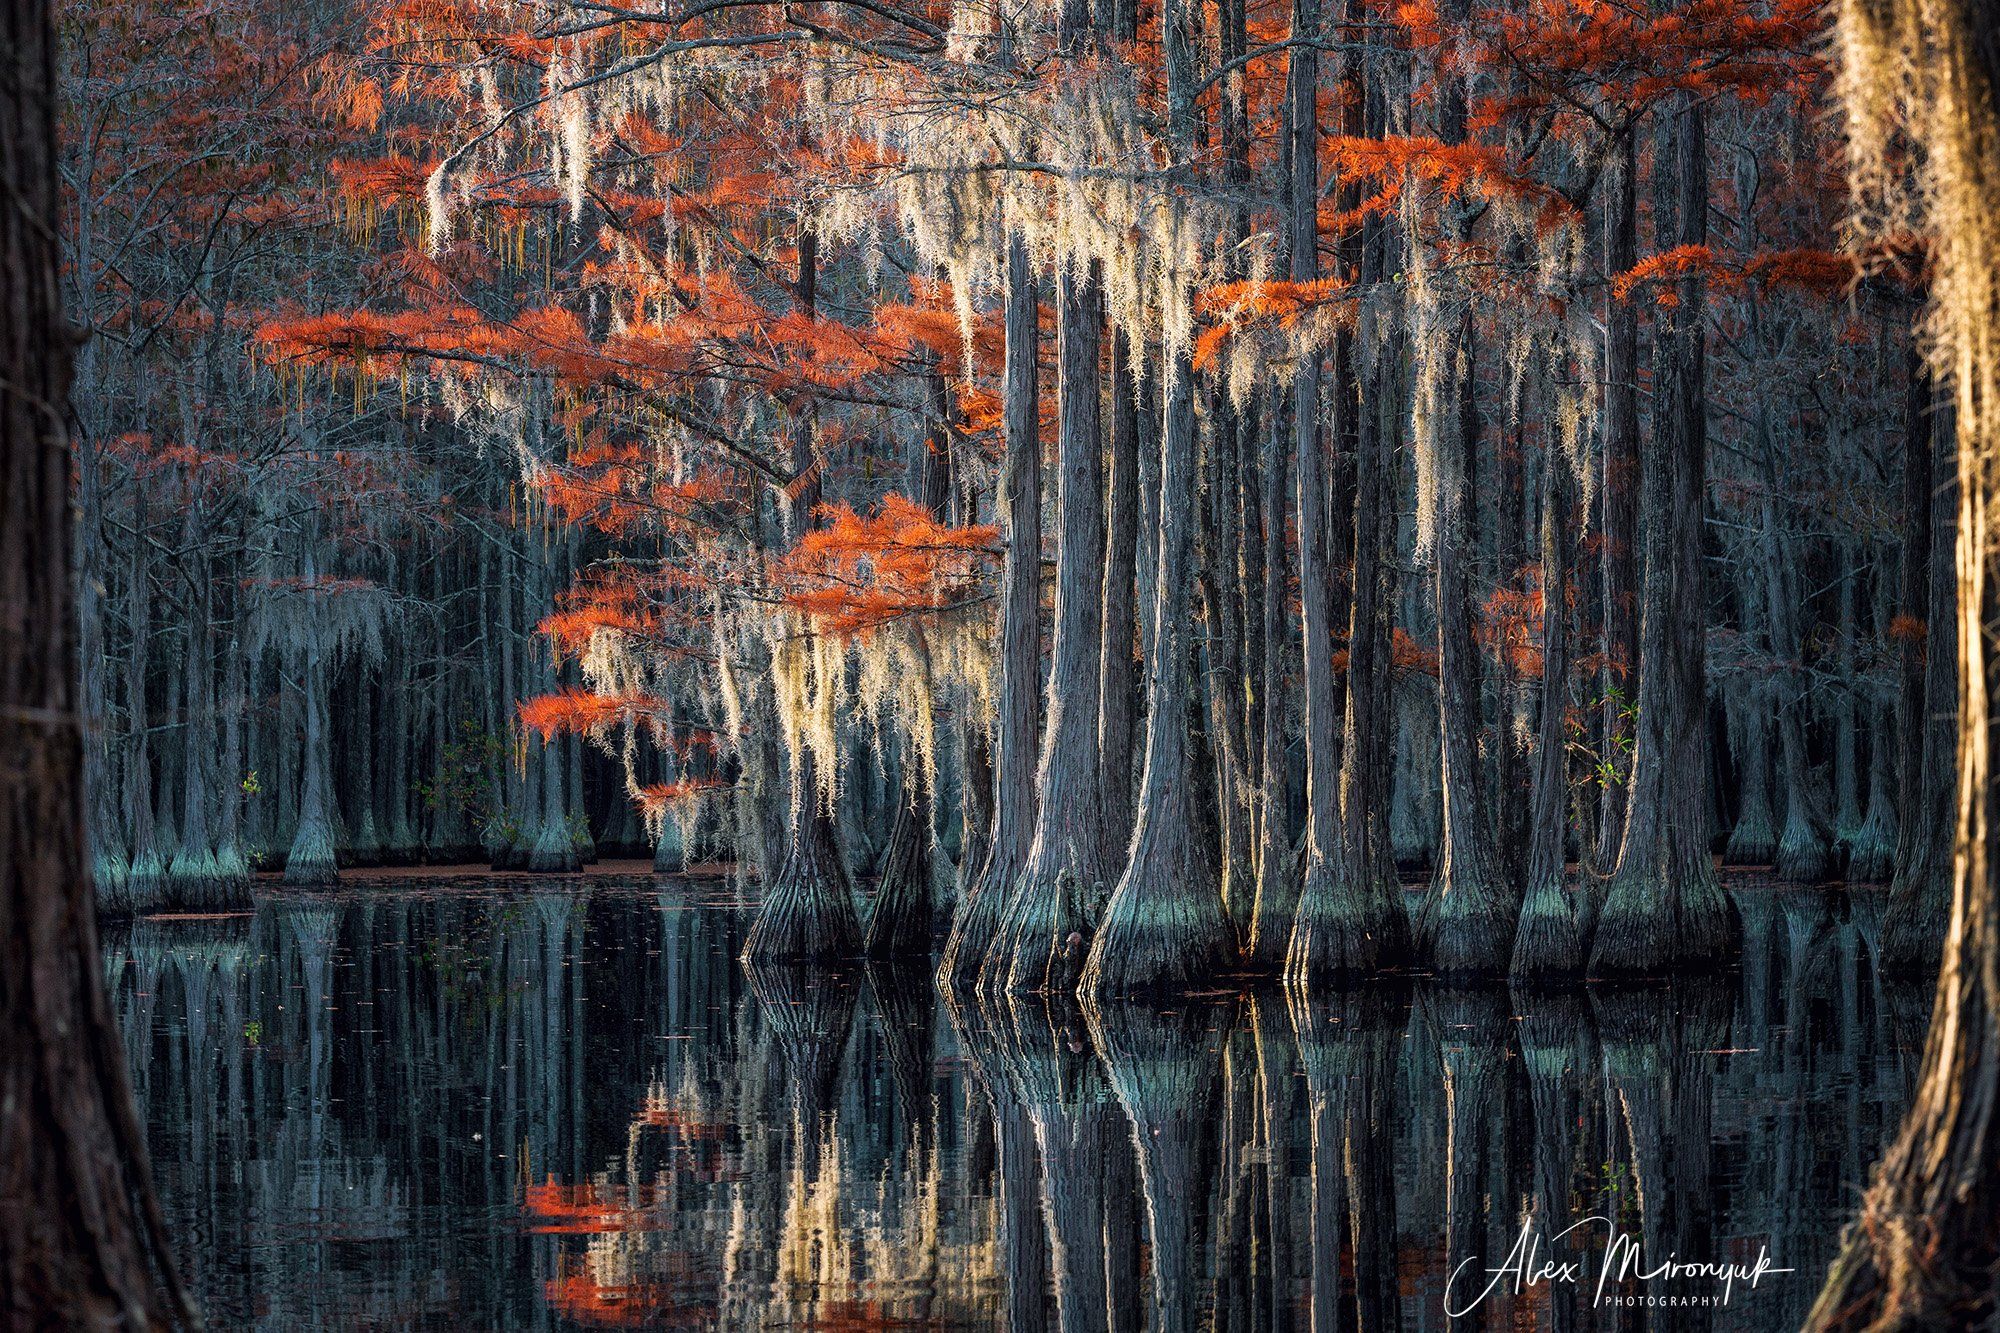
(82, 1244)
(1165, 925)
(1044, 935)
(1926, 1249)
(982, 905)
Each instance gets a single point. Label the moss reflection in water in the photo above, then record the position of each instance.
(414, 1104)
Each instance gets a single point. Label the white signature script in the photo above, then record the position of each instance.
(1525, 1267)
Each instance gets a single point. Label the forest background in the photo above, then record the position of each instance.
(1119, 484)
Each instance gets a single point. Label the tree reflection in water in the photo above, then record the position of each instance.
(421, 1105)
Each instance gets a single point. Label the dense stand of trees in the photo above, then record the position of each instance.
(1133, 482)
(641, 313)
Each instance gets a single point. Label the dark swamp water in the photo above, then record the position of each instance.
(514, 1104)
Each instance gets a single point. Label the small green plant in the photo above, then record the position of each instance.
(464, 779)
(251, 786)
(253, 1032)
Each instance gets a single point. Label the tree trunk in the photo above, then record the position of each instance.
(1117, 683)
(145, 874)
(1620, 522)
(1805, 847)
(1872, 853)
(1664, 908)
(1276, 906)
(1165, 925)
(1919, 906)
(982, 903)
(1552, 938)
(1468, 920)
(1924, 1252)
(1349, 919)
(1044, 936)
(1471, 912)
(82, 1244)
(1753, 839)
(807, 911)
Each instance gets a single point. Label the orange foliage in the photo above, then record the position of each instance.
(584, 712)
(666, 797)
(855, 574)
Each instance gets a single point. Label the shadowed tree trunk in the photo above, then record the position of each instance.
(1872, 857)
(982, 903)
(808, 910)
(1753, 838)
(1663, 907)
(1350, 918)
(1467, 923)
(899, 920)
(1913, 923)
(1117, 686)
(82, 1244)
(1926, 1247)
(145, 872)
(1805, 846)
(1620, 522)
(1276, 904)
(310, 863)
(902, 921)
(1552, 938)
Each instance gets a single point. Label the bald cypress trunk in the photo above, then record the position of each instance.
(1044, 935)
(1664, 908)
(1469, 916)
(82, 1243)
(1872, 855)
(1926, 1249)
(1805, 844)
(807, 912)
(1620, 514)
(1753, 838)
(1165, 925)
(1276, 904)
(1349, 918)
(1920, 894)
(983, 901)
(1117, 682)
(1552, 937)
(310, 862)
(146, 873)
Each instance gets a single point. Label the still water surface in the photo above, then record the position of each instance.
(512, 1104)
